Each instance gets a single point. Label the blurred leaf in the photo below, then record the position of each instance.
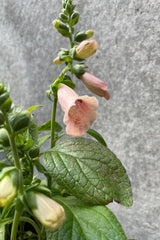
(97, 136)
(34, 107)
(47, 127)
(89, 171)
(84, 222)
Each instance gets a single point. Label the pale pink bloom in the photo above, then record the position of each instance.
(80, 112)
(86, 49)
(95, 85)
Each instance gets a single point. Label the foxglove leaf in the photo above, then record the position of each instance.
(86, 222)
(89, 171)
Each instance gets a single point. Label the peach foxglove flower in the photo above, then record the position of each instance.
(95, 85)
(80, 111)
(7, 190)
(48, 212)
(86, 49)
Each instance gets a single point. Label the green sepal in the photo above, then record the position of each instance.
(68, 8)
(4, 138)
(80, 36)
(97, 136)
(34, 151)
(30, 199)
(20, 121)
(3, 97)
(2, 120)
(7, 170)
(79, 69)
(47, 127)
(63, 17)
(2, 87)
(83, 35)
(74, 18)
(14, 174)
(68, 81)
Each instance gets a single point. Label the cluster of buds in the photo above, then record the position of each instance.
(49, 213)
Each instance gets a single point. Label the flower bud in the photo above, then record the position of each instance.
(62, 28)
(63, 17)
(83, 35)
(86, 49)
(4, 139)
(95, 85)
(57, 61)
(46, 210)
(8, 186)
(74, 18)
(34, 152)
(5, 101)
(20, 121)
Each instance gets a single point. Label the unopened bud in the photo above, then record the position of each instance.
(4, 138)
(57, 61)
(86, 49)
(46, 210)
(63, 17)
(83, 35)
(62, 28)
(74, 18)
(34, 152)
(20, 121)
(8, 186)
(5, 101)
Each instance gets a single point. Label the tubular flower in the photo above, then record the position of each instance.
(7, 190)
(48, 212)
(80, 112)
(86, 49)
(95, 85)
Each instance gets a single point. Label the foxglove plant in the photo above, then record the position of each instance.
(82, 174)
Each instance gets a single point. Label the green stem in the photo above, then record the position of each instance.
(17, 214)
(25, 219)
(53, 121)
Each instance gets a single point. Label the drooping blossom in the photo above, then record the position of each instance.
(95, 85)
(80, 111)
(48, 211)
(86, 49)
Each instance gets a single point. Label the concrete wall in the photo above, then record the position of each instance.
(128, 60)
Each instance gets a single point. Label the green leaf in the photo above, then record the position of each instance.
(84, 222)
(34, 107)
(97, 136)
(47, 127)
(89, 171)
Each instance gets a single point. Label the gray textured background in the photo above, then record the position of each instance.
(128, 59)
